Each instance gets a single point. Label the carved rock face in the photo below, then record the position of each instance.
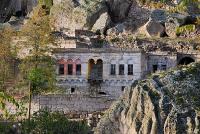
(167, 103)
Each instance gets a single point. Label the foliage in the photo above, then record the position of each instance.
(6, 99)
(179, 9)
(154, 3)
(45, 122)
(198, 21)
(115, 39)
(157, 5)
(37, 65)
(47, 3)
(185, 29)
(187, 2)
(42, 79)
(183, 6)
(6, 55)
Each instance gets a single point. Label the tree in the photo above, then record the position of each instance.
(37, 66)
(6, 60)
(6, 55)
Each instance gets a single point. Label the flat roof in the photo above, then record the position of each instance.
(97, 50)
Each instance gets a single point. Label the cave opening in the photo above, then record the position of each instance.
(186, 61)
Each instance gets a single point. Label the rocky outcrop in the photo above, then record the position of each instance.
(167, 103)
(101, 23)
(158, 15)
(176, 20)
(119, 28)
(15, 7)
(153, 28)
(113, 12)
(118, 9)
(65, 15)
(193, 8)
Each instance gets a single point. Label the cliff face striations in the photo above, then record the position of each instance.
(167, 103)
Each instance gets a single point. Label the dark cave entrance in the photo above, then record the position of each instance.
(186, 61)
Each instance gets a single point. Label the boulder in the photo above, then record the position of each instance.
(176, 20)
(193, 8)
(158, 15)
(153, 28)
(31, 4)
(170, 29)
(102, 22)
(119, 28)
(95, 14)
(118, 9)
(137, 17)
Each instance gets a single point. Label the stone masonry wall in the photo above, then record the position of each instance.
(72, 103)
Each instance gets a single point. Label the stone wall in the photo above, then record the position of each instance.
(72, 103)
(161, 60)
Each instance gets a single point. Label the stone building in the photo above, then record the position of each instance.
(107, 71)
(82, 68)
(99, 71)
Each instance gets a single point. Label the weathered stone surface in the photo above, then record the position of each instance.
(102, 22)
(95, 14)
(178, 19)
(158, 15)
(72, 103)
(137, 17)
(193, 8)
(167, 103)
(153, 28)
(170, 28)
(65, 15)
(173, 21)
(119, 28)
(15, 7)
(118, 9)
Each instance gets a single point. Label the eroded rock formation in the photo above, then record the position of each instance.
(15, 7)
(167, 103)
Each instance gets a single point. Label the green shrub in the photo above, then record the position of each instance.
(45, 122)
(198, 21)
(185, 29)
(47, 3)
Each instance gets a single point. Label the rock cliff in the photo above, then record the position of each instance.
(17, 8)
(166, 103)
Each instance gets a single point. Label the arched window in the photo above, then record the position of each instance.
(95, 70)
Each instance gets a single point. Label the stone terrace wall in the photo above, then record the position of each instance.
(72, 103)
